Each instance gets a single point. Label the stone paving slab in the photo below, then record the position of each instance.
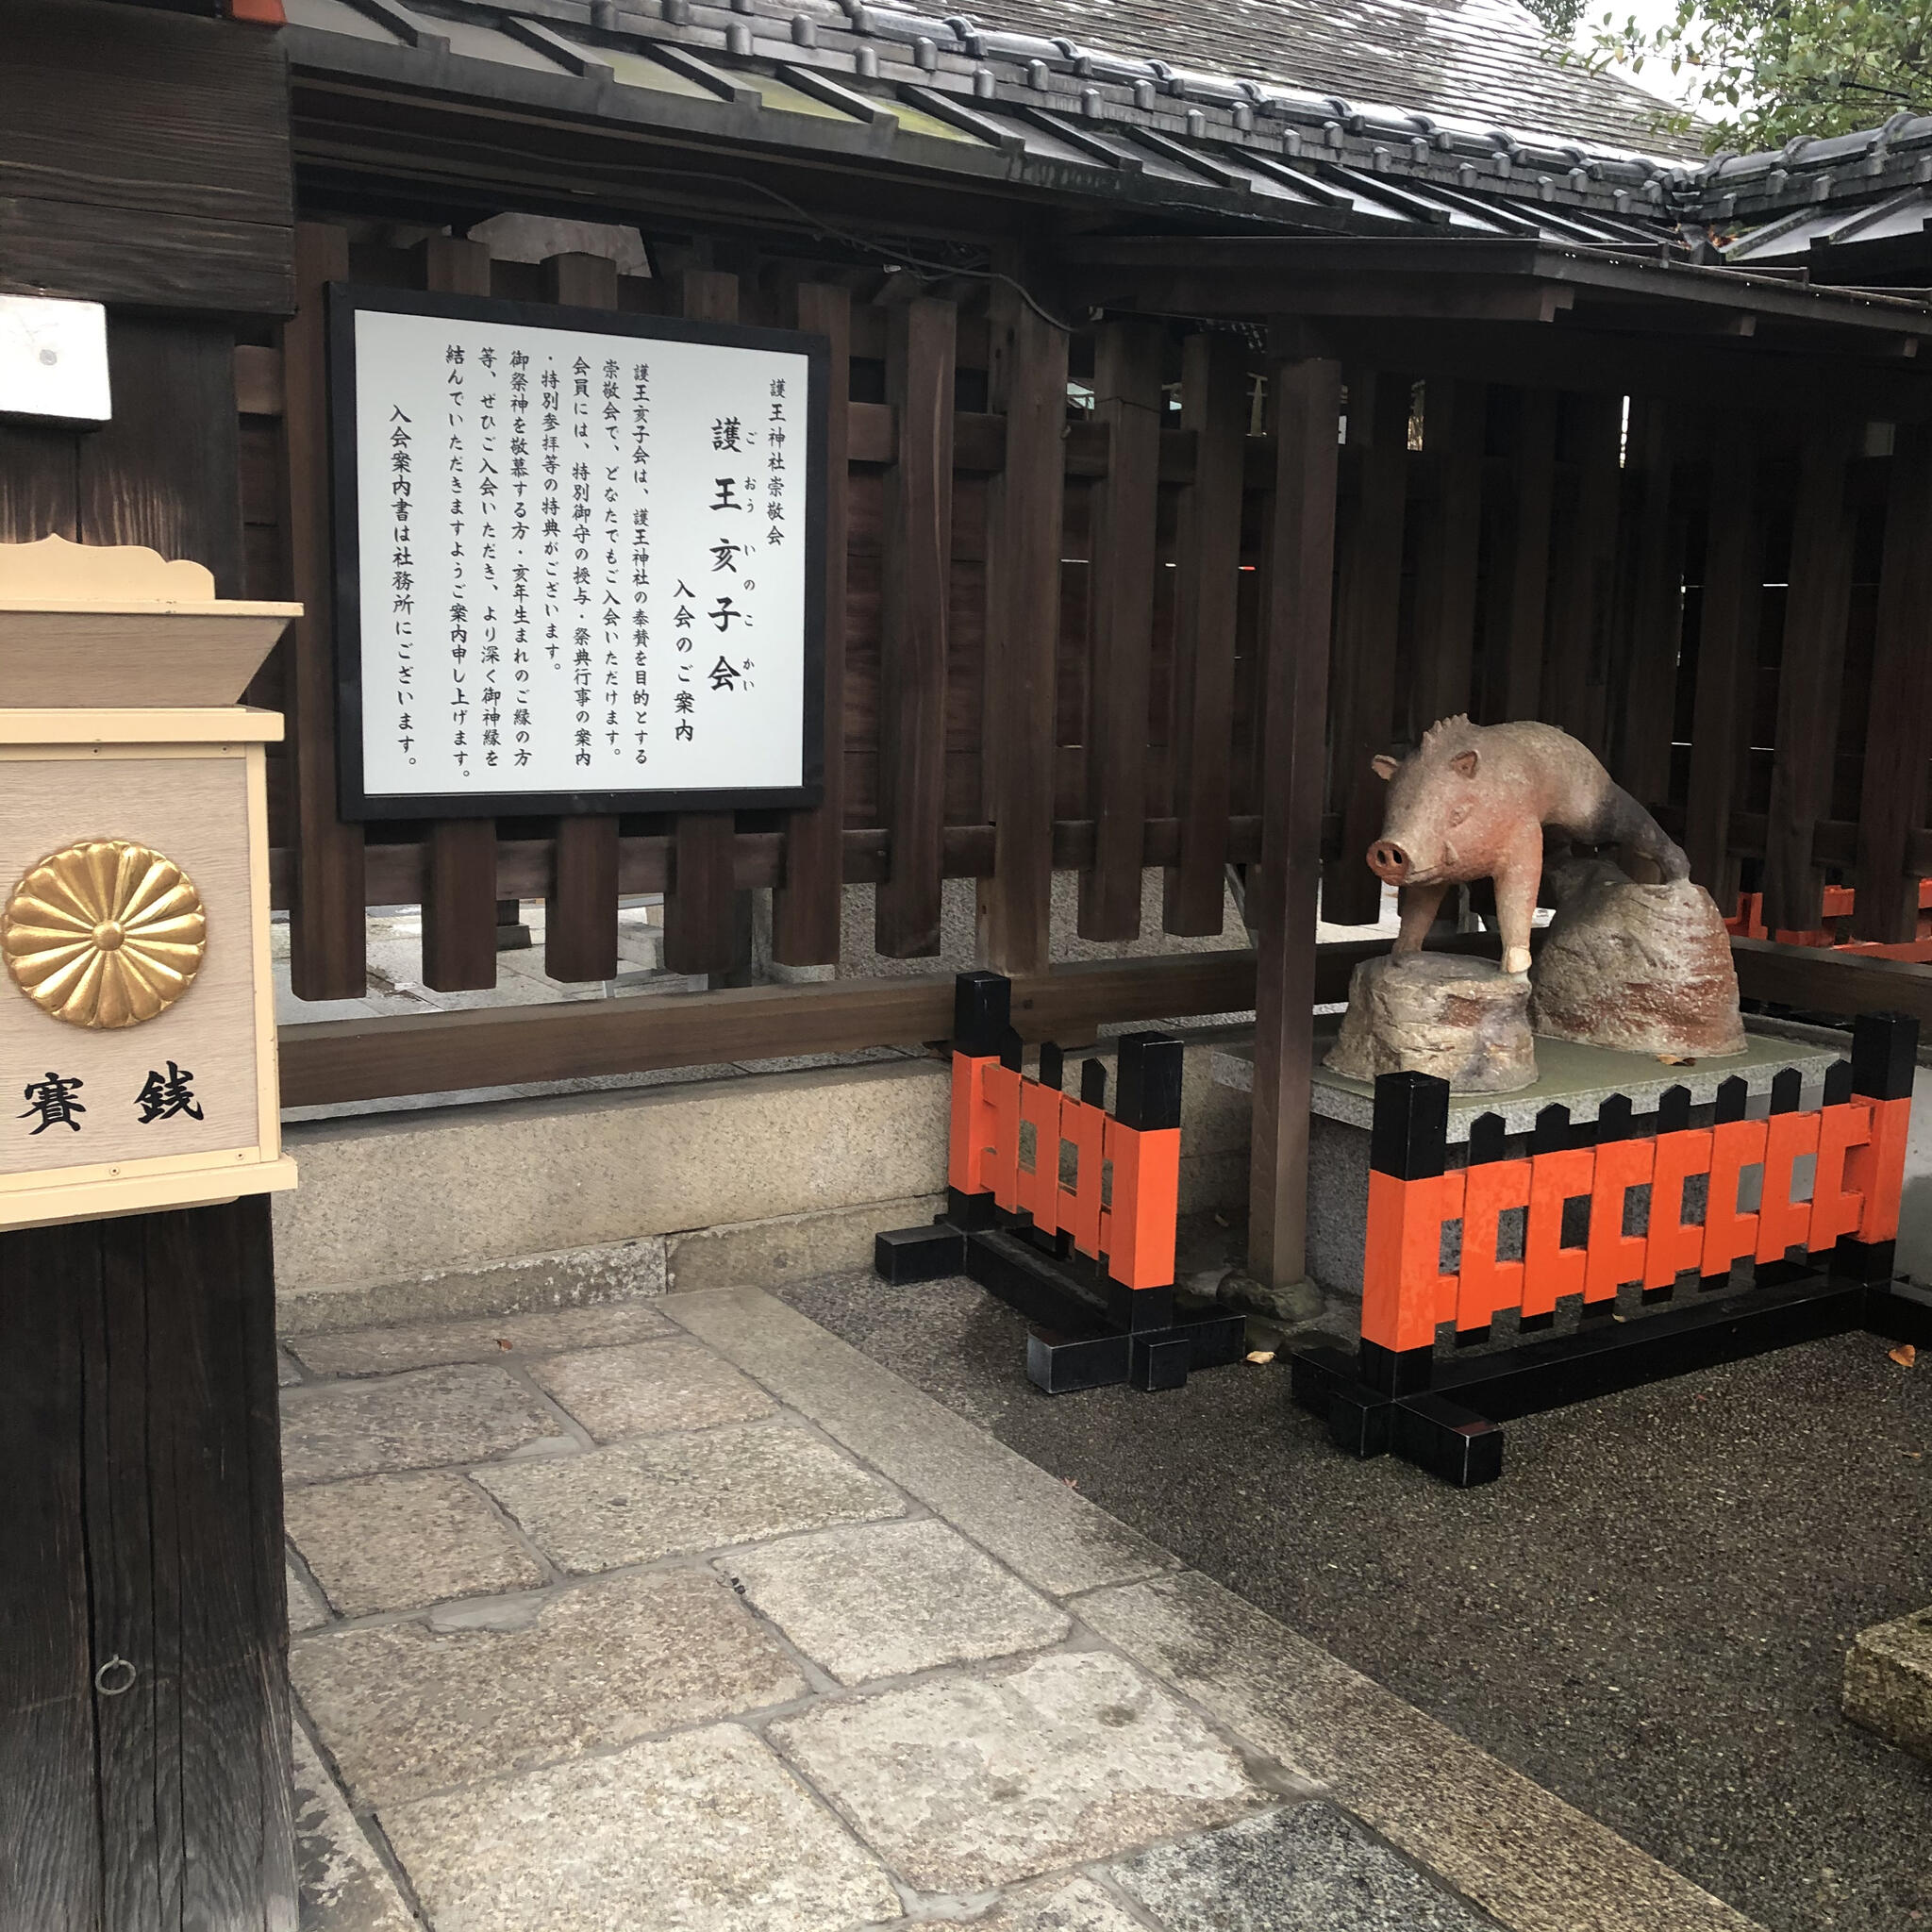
(1310, 1868)
(419, 1421)
(1056, 1540)
(966, 1783)
(886, 1600)
(345, 1885)
(668, 1496)
(648, 1387)
(307, 1608)
(431, 1345)
(1512, 1848)
(704, 1832)
(397, 1542)
(1061, 1905)
(408, 1709)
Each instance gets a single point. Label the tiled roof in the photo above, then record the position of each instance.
(1485, 63)
(885, 84)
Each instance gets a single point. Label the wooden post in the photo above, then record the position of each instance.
(1810, 678)
(1447, 543)
(700, 918)
(1306, 407)
(1369, 592)
(1899, 729)
(580, 916)
(1029, 384)
(144, 1713)
(1520, 584)
(1208, 562)
(1583, 545)
(460, 904)
(1119, 605)
(328, 923)
(913, 598)
(1726, 654)
(1649, 606)
(809, 901)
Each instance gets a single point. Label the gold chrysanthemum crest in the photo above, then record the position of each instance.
(106, 933)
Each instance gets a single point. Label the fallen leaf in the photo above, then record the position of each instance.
(1913, 1454)
(505, 1345)
(1905, 1354)
(1676, 1060)
(1262, 1354)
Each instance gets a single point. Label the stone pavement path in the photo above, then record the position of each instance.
(682, 1616)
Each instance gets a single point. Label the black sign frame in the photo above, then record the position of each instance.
(345, 301)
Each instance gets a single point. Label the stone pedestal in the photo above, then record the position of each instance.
(1465, 1021)
(1642, 969)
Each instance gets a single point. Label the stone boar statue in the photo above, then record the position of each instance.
(1471, 802)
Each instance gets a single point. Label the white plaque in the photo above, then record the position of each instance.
(579, 559)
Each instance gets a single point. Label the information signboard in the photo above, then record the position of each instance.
(579, 559)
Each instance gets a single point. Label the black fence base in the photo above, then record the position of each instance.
(1451, 1427)
(1085, 1331)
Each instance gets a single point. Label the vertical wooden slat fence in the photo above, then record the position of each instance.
(1046, 632)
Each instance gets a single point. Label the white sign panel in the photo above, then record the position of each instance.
(583, 561)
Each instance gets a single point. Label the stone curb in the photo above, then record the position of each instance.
(1513, 1849)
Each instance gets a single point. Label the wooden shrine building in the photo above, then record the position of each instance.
(1137, 363)
(1209, 409)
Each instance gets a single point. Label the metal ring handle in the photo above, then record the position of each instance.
(121, 1684)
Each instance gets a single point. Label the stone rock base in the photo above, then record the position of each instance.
(1644, 969)
(1465, 1021)
(1888, 1682)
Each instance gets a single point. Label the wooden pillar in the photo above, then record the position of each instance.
(1120, 604)
(1368, 615)
(700, 926)
(580, 915)
(809, 901)
(144, 1713)
(914, 600)
(1029, 384)
(1448, 542)
(1730, 610)
(1207, 564)
(1306, 404)
(1810, 677)
(1898, 735)
(328, 923)
(459, 899)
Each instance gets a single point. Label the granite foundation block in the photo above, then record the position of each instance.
(1888, 1685)
(386, 1350)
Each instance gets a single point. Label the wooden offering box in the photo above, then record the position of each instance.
(136, 1008)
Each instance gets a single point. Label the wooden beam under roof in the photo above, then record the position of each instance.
(1261, 275)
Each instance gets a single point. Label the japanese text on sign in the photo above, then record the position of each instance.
(582, 561)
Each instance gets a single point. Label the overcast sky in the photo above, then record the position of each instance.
(1657, 77)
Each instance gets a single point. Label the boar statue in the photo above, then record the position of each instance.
(1473, 801)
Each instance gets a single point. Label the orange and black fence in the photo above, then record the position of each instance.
(1064, 1208)
(1818, 1262)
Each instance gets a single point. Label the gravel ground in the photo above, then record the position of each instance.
(1648, 1614)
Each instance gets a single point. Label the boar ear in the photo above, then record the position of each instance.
(1465, 762)
(1382, 765)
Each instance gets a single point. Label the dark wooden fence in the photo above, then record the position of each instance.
(1046, 632)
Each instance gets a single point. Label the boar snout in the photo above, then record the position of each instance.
(1389, 861)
